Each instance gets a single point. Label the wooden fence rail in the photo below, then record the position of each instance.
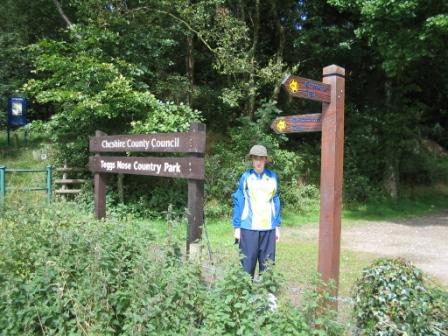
(66, 181)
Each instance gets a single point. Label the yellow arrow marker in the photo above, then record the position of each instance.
(281, 125)
(294, 86)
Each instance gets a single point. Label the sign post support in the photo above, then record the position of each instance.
(99, 182)
(331, 93)
(17, 115)
(195, 204)
(332, 157)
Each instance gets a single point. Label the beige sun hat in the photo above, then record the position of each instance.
(258, 150)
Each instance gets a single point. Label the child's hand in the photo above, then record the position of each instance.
(277, 233)
(237, 234)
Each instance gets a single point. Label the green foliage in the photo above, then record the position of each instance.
(64, 273)
(169, 117)
(317, 308)
(21, 23)
(391, 298)
(414, 202)
(300, 198)
(14, 65)
(232, 41)
(95, 90)
(225, 166)
(167, 296)
(238, 307)
(395, 100)
(128, 65)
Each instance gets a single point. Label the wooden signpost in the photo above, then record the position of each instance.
(190, 142)
(298, 123)
(331, 93)
(306, 88)
(189, 167)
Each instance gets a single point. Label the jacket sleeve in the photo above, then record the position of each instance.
(277, 205)
(238, 202)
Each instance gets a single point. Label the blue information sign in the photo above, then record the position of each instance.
(17, 111)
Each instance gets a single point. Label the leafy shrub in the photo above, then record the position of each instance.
(227, 162)
(63, 273)
(169, 117)
(358, 188)
(421, 167)
(237, 306)
(215, 209)
(392, 299)
(91, 88)
(317, 309)
(302, 199)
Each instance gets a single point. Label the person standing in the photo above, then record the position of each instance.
(256, 212)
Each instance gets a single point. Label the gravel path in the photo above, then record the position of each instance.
(423, 240)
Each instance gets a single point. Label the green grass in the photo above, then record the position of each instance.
(294, 219)
(413, 203)
(297, 255)
(417, 202)
(20, 155)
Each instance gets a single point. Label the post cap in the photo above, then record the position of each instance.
(333, 70)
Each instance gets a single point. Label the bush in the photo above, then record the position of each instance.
(391, 298)
(91, 89)
(64, 273)
(225, 166)
(301, 199)
(317, 308)
(236, 306)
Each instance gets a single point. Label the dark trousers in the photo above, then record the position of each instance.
(256, 245)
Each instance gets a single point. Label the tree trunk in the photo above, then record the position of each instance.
(391, 178)
(281, 45)
(391, 148)
(252, 84)
(190, 69)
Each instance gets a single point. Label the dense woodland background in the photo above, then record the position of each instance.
(141, 66)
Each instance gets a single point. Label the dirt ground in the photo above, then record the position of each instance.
(422, 240)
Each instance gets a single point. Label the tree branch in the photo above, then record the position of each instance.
(185, 23)
(61, 12)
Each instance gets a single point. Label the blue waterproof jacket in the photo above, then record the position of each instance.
(256, 202)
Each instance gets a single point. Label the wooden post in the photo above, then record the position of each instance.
(195, 204)
(120, 179)
(99, 181)
(64, 177)
(331, 175)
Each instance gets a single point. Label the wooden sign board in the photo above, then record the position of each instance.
(189, 142)
(307, 88)
(189, 168)
(299, 123)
